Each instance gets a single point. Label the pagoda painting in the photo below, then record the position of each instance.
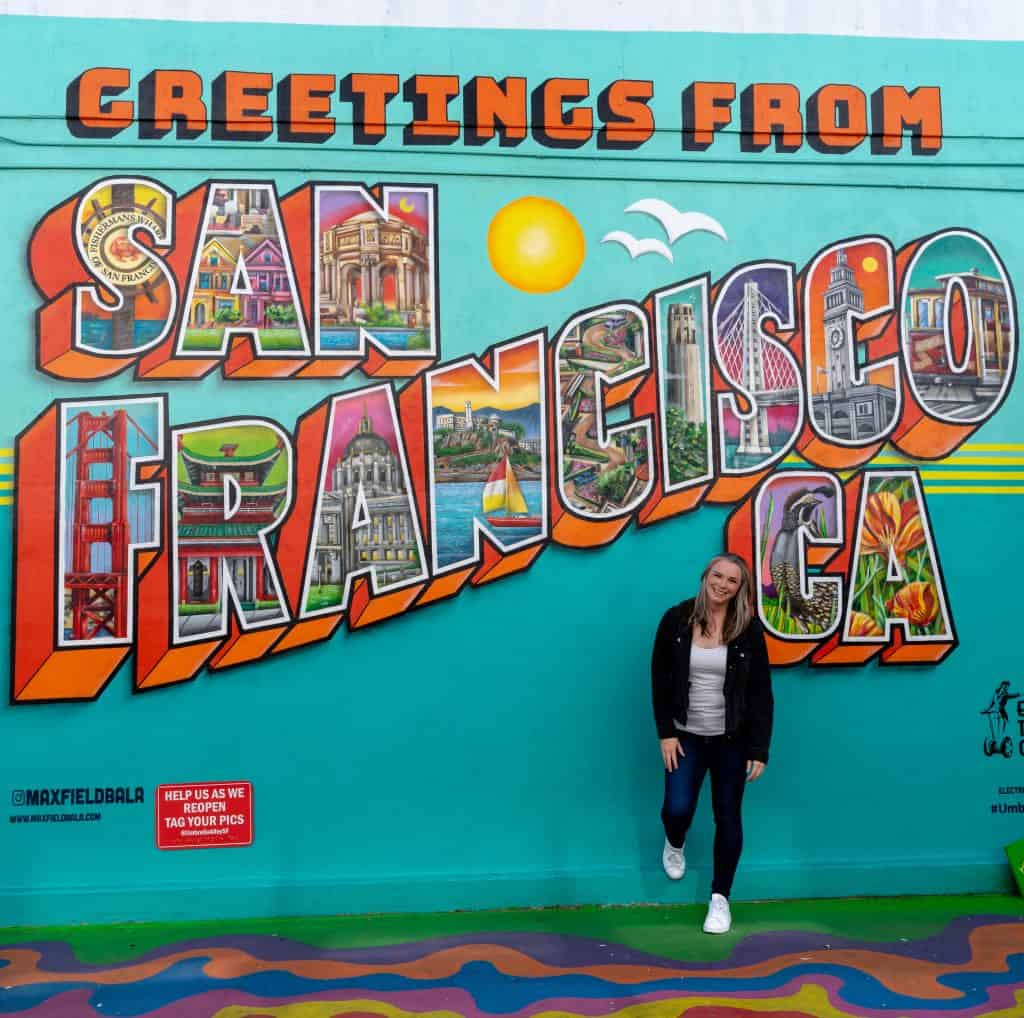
(232, 489)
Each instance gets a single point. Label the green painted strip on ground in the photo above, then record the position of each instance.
(666, 931)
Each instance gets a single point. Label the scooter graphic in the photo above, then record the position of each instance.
(998, 741)
(993, 744)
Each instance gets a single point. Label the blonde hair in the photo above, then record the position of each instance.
(740, 609)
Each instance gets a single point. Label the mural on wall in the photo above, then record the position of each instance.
(219, 543)
(233, 277)
(845, 569)
(133, 307)
(760, 418)
(892, 579)
(895, 574)
(602, 471)
(488, 454)
(791, 511)
(231, 486)
(106, 517)
(367, 521)
(849, 283)
(681, 316)
(376, 280)
(609, 115)
(242, 281)
(535, 244)
(674, 222)
(959, 326)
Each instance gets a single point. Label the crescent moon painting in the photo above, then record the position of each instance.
(405, 205)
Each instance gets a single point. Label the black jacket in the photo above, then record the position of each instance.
(749, 704)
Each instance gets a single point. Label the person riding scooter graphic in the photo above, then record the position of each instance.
(998, 721)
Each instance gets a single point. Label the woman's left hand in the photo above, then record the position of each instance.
(754, 770)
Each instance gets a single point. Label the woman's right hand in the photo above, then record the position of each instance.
(671, 753)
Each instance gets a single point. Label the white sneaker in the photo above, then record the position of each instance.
(673, 861)
(719, 918)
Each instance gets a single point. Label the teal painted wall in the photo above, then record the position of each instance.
(497, 749)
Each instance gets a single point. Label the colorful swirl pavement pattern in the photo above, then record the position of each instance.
(973, 966)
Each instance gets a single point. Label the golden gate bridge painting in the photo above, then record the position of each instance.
(103, 514)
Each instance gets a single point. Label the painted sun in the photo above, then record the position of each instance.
(535, 244)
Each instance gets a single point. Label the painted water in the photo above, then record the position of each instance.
(458, 504)
(348, 338)
(98, 333)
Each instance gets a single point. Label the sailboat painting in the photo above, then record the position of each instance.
(503, 494)
(488, 454)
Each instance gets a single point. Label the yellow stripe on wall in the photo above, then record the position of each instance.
(946, 470)
(951, 461)
(976, 461)
(979, 489)
(973, 475)
(982, 447)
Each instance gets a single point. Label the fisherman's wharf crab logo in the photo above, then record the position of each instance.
(108, 236)
(113, 253)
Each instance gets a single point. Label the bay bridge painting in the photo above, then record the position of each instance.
(100, 505)
(753, 436)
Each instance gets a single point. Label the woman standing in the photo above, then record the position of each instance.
(713, 704)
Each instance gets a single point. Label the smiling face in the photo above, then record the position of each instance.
(722, 582)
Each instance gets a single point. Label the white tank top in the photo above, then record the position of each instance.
(706, 712)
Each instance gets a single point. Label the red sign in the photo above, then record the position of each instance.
(207, 814)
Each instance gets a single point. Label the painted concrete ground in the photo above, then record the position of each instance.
(826, 959)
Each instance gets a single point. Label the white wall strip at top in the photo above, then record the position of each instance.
(913, 19)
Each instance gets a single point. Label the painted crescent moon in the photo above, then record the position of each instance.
(405, 205)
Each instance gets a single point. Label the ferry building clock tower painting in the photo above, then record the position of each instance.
(842, 296)
(849, 410)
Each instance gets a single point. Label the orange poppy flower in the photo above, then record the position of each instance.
(889, 523)
(909, 509)
(916, 602)
(864, 625)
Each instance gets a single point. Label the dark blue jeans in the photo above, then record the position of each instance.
(726, 759)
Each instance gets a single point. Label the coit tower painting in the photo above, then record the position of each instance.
(684, 381)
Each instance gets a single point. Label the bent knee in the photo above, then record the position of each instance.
(678, 811)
